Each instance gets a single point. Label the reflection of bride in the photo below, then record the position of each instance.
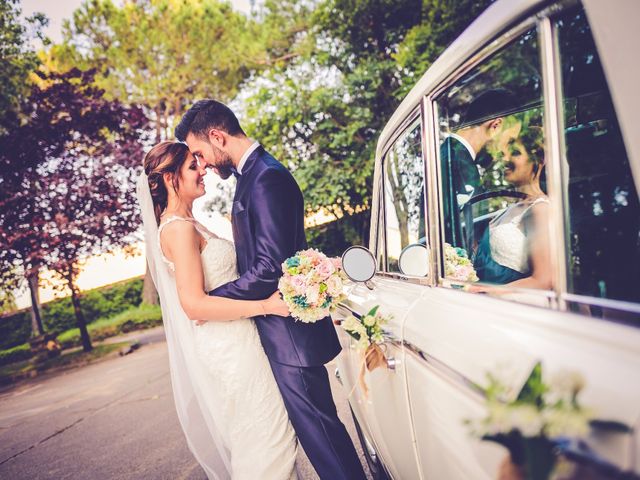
(515, 246)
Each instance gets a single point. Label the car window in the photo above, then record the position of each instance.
(404, 195)
(493, 171)
(603, 215)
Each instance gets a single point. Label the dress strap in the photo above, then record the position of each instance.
(518, 218)
(199, 227)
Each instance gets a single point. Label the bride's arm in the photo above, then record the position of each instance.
(180, 243)
(538, 241)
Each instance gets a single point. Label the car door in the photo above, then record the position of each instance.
(513, 319)
(384, 411)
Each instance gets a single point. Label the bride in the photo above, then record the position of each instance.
(226, 397)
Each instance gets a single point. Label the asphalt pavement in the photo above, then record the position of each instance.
(114, 419)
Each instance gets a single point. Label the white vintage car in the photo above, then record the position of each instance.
(519, 148)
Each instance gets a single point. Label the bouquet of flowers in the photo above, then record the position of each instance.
(531, 426)
(367, 331)
(311, 284)
(457, 265)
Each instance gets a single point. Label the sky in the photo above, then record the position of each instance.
(106, 269)
(59, 10)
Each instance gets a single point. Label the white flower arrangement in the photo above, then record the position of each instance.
(367, 331)
(530, 426)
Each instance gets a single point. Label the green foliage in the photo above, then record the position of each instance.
(7, 302)
(322, 113)
(335, 237)
(19, 370)
(17, 58)
(15, 329)
(15, 354)
(136, 318)
(58, 315)
(441, 22)
(166, 54)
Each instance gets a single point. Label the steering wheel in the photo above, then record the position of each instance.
(493, 194)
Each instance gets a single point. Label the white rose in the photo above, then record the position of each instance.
(313, 294)
(527, 419)
(334, 285)
(369, 320)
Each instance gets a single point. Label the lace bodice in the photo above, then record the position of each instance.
(218, 255)
(508, 242)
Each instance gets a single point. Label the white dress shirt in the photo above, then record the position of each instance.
(246, 154)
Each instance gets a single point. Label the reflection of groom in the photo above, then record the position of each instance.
(268, 227)
(482, 122)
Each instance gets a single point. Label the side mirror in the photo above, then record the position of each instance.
(414, 260)
(359, 264)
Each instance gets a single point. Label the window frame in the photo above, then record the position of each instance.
(403, 127)
(552, 100)
(430, 99)
(561, 166)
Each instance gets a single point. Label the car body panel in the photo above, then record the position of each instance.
(448, 339)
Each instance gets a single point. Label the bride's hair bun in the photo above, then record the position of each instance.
(165, 157)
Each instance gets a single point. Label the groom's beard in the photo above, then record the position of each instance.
(224, 165)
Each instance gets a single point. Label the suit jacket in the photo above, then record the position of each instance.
(268, 227)
(459, 177)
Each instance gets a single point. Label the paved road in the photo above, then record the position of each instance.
(110, 420)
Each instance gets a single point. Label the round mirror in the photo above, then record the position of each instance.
(359, 264)
(414, 260)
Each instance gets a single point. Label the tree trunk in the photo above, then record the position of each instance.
(149, 293)
(36, 312)
(80, 321)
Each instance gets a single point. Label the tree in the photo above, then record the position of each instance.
(17, 62)
(164, 54)
(321, 113)
(17, 58)
(67, 179)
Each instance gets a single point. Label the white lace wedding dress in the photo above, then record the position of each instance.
(254, 422)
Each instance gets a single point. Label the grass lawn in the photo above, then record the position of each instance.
(25, 369)
(136, 318)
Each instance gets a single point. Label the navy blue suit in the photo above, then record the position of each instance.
(268, 227)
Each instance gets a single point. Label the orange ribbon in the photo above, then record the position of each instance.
(372, 358)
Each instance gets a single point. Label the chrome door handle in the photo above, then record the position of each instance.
(392, 363)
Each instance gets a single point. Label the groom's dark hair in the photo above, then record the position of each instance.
(205, 115)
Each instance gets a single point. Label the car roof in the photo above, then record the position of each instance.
(614, 28)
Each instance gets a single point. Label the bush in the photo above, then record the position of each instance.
(95, 304)
(15, 329)
(335, 237)
(58, 315)
(15, 354)
(137, 318)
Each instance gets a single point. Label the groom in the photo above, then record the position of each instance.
(268, 227)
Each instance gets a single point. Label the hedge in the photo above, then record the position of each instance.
(136, 318)
(58, 315)
(335, 237)
(15, 354)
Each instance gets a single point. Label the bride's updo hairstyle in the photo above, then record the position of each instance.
(165, 157)
(532, 138)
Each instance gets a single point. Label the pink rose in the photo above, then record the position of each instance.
(337, 263)
(325, 269)
(299, 284)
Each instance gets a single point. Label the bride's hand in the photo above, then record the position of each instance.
(274, 305)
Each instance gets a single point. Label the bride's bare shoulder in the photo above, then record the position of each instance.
(179, 233)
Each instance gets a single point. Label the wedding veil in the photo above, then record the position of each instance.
(193, 391)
